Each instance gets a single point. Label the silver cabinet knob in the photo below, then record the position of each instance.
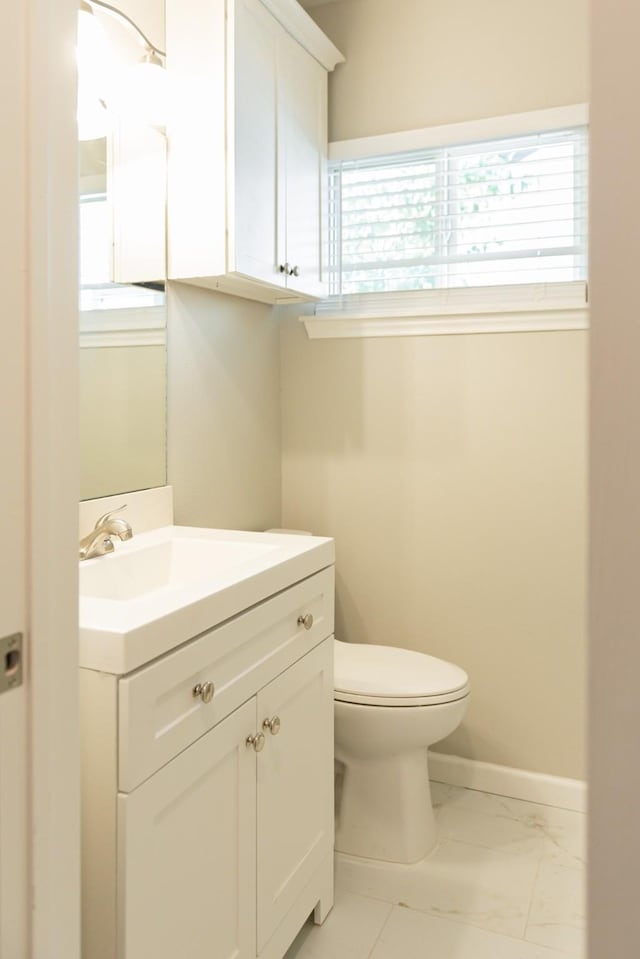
(273, 725)
(306, 621)
(256, 742)
(294, 271)
(204, 691)
(285, 268)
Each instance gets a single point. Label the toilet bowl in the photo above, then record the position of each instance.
(390, 705)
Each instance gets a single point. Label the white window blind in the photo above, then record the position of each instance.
(508, 211)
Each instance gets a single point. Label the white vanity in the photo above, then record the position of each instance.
(207, 724)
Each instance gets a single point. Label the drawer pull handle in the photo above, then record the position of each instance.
(256, 742)
(306, 621)
(273, 725)
(204, 690)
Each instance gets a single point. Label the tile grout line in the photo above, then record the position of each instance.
(504, 801)
(382, 929)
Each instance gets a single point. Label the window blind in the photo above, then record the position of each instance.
(505, 211)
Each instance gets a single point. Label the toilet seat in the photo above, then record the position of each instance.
(372, 675)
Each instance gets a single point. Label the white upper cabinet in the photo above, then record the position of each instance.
(254, 227)
(247, 147)
(302, 139)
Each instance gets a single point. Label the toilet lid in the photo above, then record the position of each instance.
(386, 676)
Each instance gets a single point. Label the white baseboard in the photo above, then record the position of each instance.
(506, 781)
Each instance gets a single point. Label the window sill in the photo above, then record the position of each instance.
(517, 309)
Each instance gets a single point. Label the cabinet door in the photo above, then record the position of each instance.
(303, 102)
(253, 228)
(295, 784)
(186, 851)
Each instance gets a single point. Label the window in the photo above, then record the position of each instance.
(499, 212)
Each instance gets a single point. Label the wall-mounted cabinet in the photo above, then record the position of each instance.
(248, 147)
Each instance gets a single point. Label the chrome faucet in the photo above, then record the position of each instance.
(99, 541)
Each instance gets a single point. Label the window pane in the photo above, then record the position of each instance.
(502, 212)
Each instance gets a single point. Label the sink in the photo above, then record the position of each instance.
(177, 563)
(165, 586)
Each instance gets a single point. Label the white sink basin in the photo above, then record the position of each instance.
(163, 587)
(177, 563)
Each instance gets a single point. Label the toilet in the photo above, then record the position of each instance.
(390, 706)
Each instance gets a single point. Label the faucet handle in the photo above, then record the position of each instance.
(107, 516)
(89, 548)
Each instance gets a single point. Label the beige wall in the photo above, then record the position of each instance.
(614, 766)
(122, 419)
(224, 410)
(417, 63)
(451, 470)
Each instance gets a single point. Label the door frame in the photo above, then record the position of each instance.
(42, 776)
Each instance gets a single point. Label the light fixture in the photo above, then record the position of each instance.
(137, 92)
(92, 51)
(92, 55)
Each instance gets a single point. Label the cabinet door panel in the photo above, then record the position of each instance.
(186, 851)
(295, 784)
(256, 200)
(302, 125)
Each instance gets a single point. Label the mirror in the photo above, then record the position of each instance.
(122, 310)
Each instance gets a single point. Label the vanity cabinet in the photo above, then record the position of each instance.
(219, 841)
(248, 147)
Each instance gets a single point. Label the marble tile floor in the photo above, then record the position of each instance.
(505, 881)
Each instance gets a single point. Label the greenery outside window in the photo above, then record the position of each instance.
(499, 212)
(476, 227)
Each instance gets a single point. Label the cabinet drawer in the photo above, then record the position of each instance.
(159, 715)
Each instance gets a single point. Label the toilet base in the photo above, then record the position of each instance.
(385, 808)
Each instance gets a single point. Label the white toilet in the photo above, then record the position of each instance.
(390, 705)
